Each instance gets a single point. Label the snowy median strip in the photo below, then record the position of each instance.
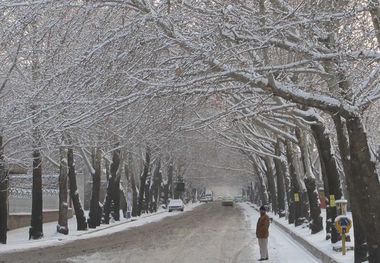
(18, 238)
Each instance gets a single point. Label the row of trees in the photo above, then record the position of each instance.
(144, 188)
(285, 78)
(290, 68)
(53, 108)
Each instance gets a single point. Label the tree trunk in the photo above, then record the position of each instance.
(116, 193)
(107, 166)
(280, 175)
(62, 226)
(147, 200)
(3, 196)
(305, 206)
(263, 190)
(157, 179)
(331, 177)
(316, 224)
(271, 183)
(364, 177)
(151, 195)
(124, 202)
(94, 215)
(143, 177)
(152, 201)
(359, 229)
(131, 199)
(111, 187)
(35, 231)
(79, 213)
(169, 191)
(285, 168)
(295, 200)
(375, 15)
(251, 194)
(159, 189)
(131, 180)
(262, 187)
(134, 196)
(168, 187)
(116, 200)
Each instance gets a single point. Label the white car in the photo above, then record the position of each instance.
(176, 204)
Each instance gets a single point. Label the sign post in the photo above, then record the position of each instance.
(343, 224)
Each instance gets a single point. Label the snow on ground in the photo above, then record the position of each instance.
(18, 238)
(317, 240)
(282, 249)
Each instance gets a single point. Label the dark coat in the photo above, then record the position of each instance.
(262, 227)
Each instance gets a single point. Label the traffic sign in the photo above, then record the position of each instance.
(296, 197)
(343, 224)
(332, 201)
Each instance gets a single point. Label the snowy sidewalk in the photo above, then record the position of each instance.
(282, 248)
(18, 238)
(302, 237)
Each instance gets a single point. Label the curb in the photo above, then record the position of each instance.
(304, 243)
(118, 224)
(57, 241)
(122, 223)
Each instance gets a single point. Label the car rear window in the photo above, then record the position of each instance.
(175, 202)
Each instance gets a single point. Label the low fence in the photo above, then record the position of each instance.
(24, 193)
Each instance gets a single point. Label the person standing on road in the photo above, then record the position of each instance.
(262, 233)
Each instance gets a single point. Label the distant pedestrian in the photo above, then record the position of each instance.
(262, 233)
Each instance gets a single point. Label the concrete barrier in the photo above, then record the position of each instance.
(17, 220)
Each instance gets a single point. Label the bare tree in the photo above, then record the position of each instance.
(62, 226)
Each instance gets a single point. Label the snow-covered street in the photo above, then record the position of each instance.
(208, 233)
(143, 106)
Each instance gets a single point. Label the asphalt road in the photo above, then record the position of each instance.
(209, 233)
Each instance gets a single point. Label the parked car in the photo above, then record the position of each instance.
(203, 199)
(228, 201)
(209, 195)
(176, 205)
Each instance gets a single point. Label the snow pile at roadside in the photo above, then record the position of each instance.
(317, 240)
(18, 238)
(281, 247)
